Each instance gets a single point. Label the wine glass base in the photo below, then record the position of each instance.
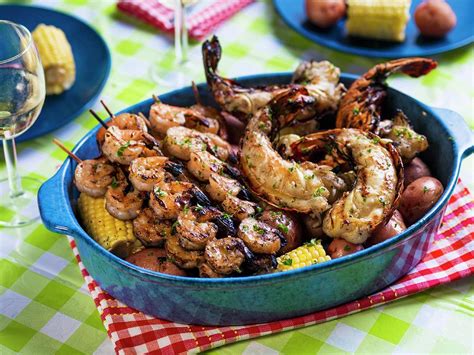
(175, 79)
(21, 210)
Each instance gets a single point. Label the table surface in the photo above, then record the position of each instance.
(44, 304)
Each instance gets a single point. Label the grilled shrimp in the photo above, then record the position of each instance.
(377, 189)
(124, 121)
(186, 259)
(195, 229)
(238, 208)
(146, 172)
(123, 146)
(168, 198)
(220, 187)
(361, 106)
(121, 200)
(149, 229)
(181, 141)
(203, 164)
(321, 79)
(259, 237)
(93, 176)
(225, 255)
(283, 183)
(163, 117)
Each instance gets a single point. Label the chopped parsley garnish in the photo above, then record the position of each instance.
(258, 209)
(258, 229)
(226, 216)
(174, 226)
(319, 191)
(376, 140)
(122, 149)
(186, 209)
(309, 177)
(199, 208)
(382, 201)
(245, 228)
(159, 192)
(347, 247)
(283, 228)
(114, 183)
(425, 189)
(287, 262)
(275, 213)
(355, 111)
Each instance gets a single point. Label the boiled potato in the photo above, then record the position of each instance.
(434, 18)
(339, 248)
(287, 224)
(415, 170)
(155, 259)
(325, 13)
(419, 197)
(394, 226)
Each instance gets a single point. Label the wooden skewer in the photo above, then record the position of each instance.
(156, 99)
(96, 116)
(71, 154)
(107, 109)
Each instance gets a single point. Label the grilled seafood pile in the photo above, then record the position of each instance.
(318, 173)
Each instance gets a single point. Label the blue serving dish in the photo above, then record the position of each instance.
(254, 299)
(93, 63)
(415, 45)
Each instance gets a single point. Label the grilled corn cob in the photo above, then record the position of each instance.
(113, 234)
(380, 19)
(308, 254)
(56, 55)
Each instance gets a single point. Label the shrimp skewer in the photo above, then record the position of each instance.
(163, 117)
(92, 176)
(121, 200)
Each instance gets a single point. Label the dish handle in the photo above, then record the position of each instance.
(52, 202)
(461, 133)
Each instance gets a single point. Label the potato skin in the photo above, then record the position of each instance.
(155, 259)
(435, 18)
(415, 170)
(419, 197)
(339, 248)
(287, 224)
(325, 13)
(394, 226)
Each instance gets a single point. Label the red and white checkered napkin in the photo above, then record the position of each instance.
(200, 23)
(450, 258)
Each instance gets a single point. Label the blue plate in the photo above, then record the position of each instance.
(415, 45)
(92, 66)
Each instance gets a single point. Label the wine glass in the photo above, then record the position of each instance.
(22, 93)
(180, 75)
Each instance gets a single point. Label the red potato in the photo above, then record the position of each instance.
(419, 197)
(339, 248)
(325, 13)
(415, 170)
(435, 18)
(394, 226)
(155, 259)
(287, 224)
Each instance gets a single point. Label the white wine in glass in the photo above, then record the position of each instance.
(22, 93)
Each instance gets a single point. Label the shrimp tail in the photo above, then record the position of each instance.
(211, 55)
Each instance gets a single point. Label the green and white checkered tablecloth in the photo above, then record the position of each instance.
(44, 304)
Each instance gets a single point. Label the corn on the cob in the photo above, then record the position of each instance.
(56, 55)
(379, 19)
(113, 234)
(305, 255)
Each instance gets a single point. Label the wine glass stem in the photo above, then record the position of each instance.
(14, 180)
(180, 33)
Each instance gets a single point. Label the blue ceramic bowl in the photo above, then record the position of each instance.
(254, 299)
